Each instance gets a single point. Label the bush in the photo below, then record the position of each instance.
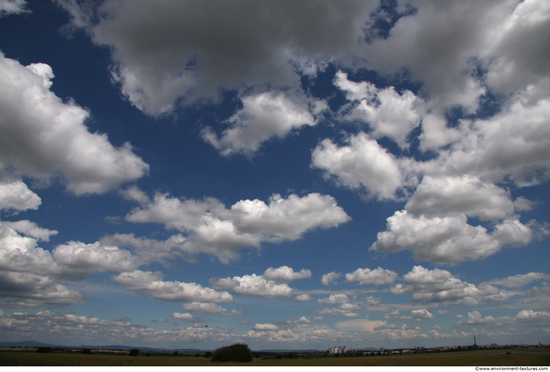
(43, 349)
(86, 351)
(133, 352)
(208, 354)
(233, 353)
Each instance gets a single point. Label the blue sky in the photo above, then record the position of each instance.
(285, 174)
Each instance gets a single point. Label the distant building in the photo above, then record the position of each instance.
(337, 350)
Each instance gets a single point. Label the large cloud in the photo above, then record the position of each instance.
(28, 273)
(448, 239)
(253, 285)
(285, 274)
(446, 196)
(16, 196)
(362, 163)
(388, 113)
(149, 283)
(96, 257)
(190, 50)
(42, 136)
(214, 229)
(443, 44)
(264, 116)
(440, 286)
(377, 276)
(12, 7)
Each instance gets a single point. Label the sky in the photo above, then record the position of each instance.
(286, 174)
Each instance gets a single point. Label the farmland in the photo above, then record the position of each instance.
(498, 357)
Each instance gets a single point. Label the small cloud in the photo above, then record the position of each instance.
(330, 278)
(265, 327)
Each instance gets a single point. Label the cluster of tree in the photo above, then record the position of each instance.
(233, 353)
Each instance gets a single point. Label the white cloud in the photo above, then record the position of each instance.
(330, 278)
(337, 298)
(265, 327)
(377, 276)
(183, 316)
(209, 308)
(286, 274)
(266, 115)
(342, 310)
(149, 283)
(421, 314)
(252, 285)
(133, 193)
(533, 315)
(28, 273)
(440, 286)
(510, 146)
(475, 318)
(31, 229)
(388, 113)
(448, 196)
(361, 163)
(304, 297)
(16, 196)
(12, 7)
(96, 257)
(448, 239)
(518, 281)
(363, 325)
(42, 136)
(219, 231)
(152, 250)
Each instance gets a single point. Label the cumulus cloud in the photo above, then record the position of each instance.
(362, 163)
(345, 310)
(42, 136)
(304, 297)
(28, 273)
(265, 327)
(15, 196)
(263, 116)
(86, 258)
(475, 318)
(387, 112)
(152, 250)
(149, 283)
(440, 286)
(421, 314)
(252, 285)
(337, 298)
(193, 51)
(448, 239)
(446, 196)
(214, 229)
(377, 276)
(330, 278)
(209, 308)
(183, 316)
(285, 274)
(511, 146)
(31, 229)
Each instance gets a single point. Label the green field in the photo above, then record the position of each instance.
(498, 357)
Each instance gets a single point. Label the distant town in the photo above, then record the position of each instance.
(333, 351)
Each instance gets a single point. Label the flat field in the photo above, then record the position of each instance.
(498, 357)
